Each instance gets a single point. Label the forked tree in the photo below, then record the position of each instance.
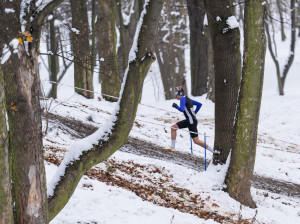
(22, 92)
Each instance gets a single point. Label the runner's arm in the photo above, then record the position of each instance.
(198, 104)
(182, 104)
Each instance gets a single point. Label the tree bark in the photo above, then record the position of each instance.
(81, 49)
(53, 60)
(199, 47)
(107, 41)
(170, 48)
(211, 71)
(6, 209)
(292, 45)
(240, 173)
(227, 65)
(22, 86)
(280, 12)
(128, 106)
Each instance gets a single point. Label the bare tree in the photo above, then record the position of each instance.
(240, 173)
(281, 77)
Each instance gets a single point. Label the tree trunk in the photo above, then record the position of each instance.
(6, 209)
(22, 92)
(274, 58)
(292, 46)
(211, 71)
(170, 48)
(107, 41)
(242, 161)
(227, 65)
(280, 12)
(128, 106)
(53, 60)
(81, 49)
(22, 85)
(281, 78)
(93, 37)
(199, 49)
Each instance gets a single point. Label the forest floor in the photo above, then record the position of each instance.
(158, 190)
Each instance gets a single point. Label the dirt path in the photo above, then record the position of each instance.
(146, 149)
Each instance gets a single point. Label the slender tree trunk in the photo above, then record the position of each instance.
(211, 71)
(170, 48)
(53, 65)
(107, 41)
(292, 45)
(128, 106)
(93, 37)
(227, 65)
(6, 209)
(81, 49)
(242, 161)
(280, 11)
(281, 78)
(199, 47)
(274, 58)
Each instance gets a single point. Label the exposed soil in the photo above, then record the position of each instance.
(146, 149)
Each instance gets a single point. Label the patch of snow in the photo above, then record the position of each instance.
(232, 22)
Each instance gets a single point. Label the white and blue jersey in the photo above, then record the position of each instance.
(187, 107)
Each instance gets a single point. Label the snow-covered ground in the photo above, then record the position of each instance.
(278, 154)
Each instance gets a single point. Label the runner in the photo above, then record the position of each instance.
(190, 122)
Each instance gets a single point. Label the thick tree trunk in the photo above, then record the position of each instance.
(242, 161)
(107, 41)
(6, 209)
(199, 48)
(80, 44)
(170, 48)
(227, 65)
(25, 132)
(22, 92)
(128, 106)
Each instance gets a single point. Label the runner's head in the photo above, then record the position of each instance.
(179, 92)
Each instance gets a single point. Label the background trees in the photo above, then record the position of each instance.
(81, 49)
(199, 47)
(170, 46)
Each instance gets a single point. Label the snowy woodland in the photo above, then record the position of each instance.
(86, 94)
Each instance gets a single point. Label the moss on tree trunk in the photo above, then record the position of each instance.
(6, 210)
(241, 167)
